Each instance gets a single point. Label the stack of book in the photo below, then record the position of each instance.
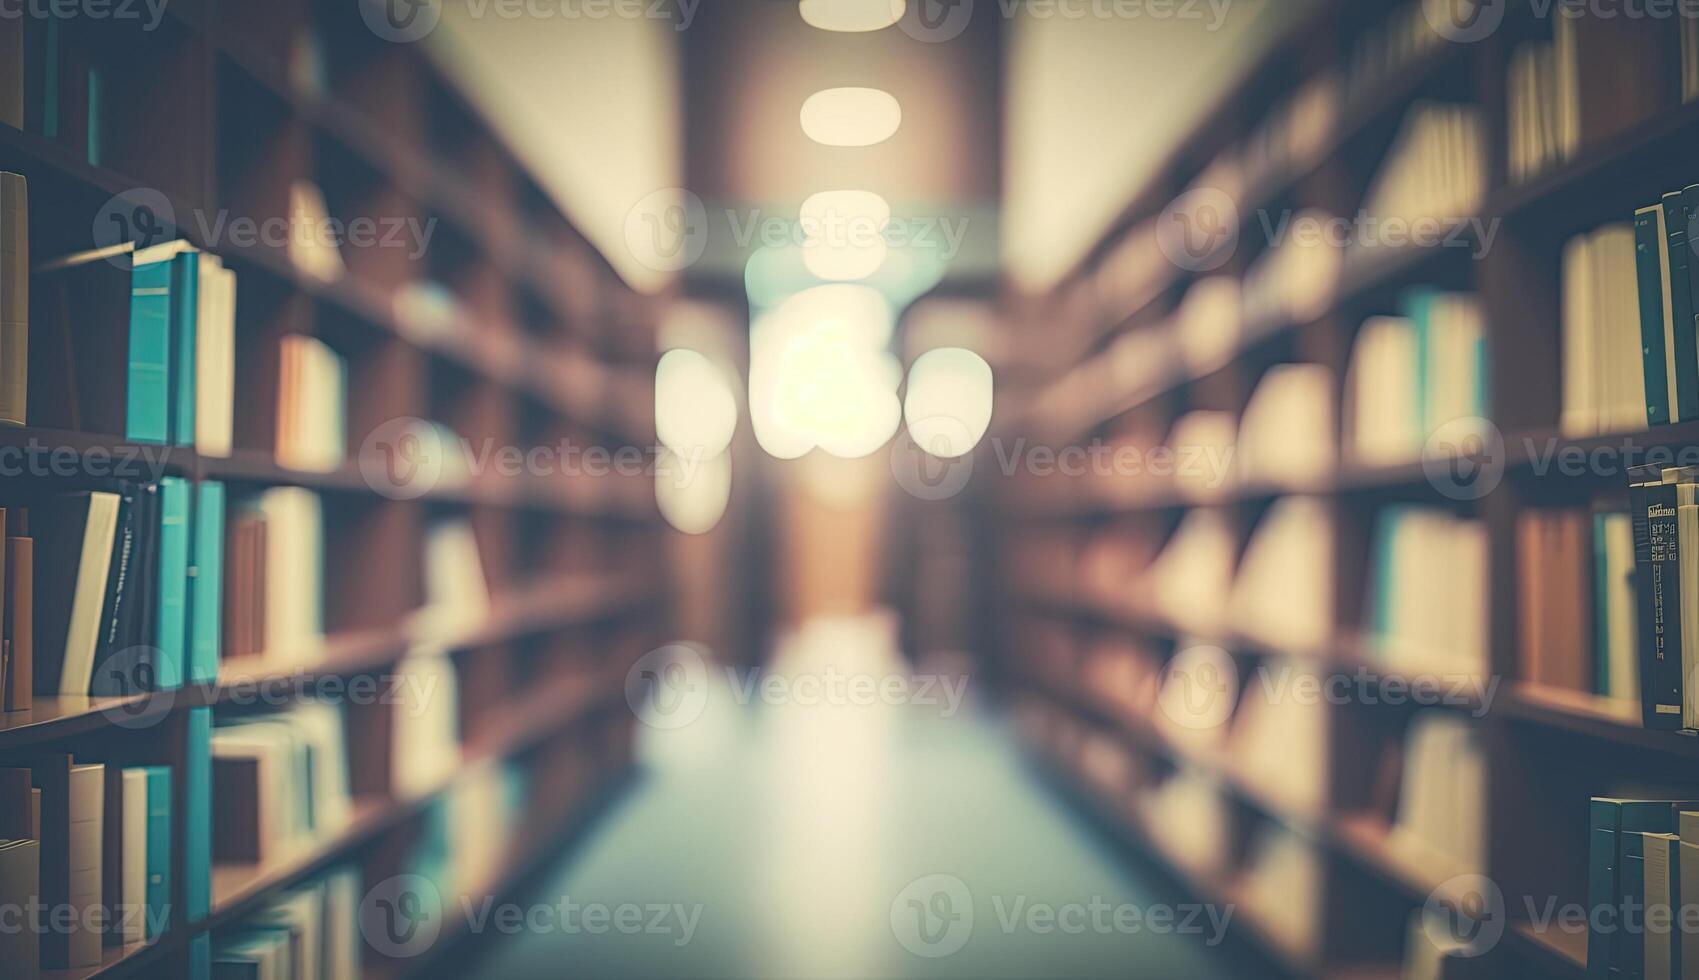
(1190, 821)
(1664, 510)
(1282, 888)
(169, 379)
(1436, 168)
(1413, 375)
(1279, 743)
(312, 406)
(1662, 249)
(1577, 601)
(1192, 577)
(1203, 442)
(274, 575)
(1207, 323)
(309, 932)
(1441, 821)
(1428, 592)
(1543, 102)
(1296, 279)
(1286, 435)
(104, 591)
(92, 839)
(1283, 595)
(1634, 861)
(281, 781)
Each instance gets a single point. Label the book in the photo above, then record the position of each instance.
(75, 535)
(1617, 656)
(1657, 564)
(123, 665)
(171, 628)
(1687, 874)
(311, 411)
(1661, 952)
(197, 820)
(282, 779)
(19, 635)
(14, 299)
(1442, 799)
(1288, 432)
(245, 587)
(215, 358)
(1684, 345)
(294, 573)
(206, 583)
(72, 813)
(1553, 591)
(1283, 592)
(1604, 328)
(20, 889)
(1428, 596)
(155, 797)
(1616, 872)
(118, 913)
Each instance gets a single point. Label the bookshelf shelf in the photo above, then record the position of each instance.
(506, 328)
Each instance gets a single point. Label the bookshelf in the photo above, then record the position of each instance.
(1547, 750)
(220, 117)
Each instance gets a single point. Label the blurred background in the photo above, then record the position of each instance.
(849, 488)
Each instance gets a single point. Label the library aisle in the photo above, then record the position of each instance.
(787, 840)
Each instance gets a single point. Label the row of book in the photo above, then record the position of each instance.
(1576, 601)
(1642, 859)
(1428, 591)
(111, 591)
(308, 932)
(1543, 103)
(281, 779)
(1664, 509)
(1415, 374)
(1435, 170)
(85, 849)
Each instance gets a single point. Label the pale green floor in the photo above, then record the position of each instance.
(795, 829)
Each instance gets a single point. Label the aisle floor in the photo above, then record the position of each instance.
(808, 840)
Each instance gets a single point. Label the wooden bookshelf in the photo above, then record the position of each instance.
(549, 348)
(1547, 750)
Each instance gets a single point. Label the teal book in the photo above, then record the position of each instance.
(1601, 609)
(158, 850)
(206, 584)
(171, 620)
(1418, 309)
(200, 957)
(1385, 589)
(148, 390)
(1686, 349)
(197, 822)
(1615, 863)
(185, 315)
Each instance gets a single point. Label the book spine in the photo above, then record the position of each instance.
(171, 624)
(148, 395)
(1681, 303)
(20, 623)
(12, 63)
(207, 581)
(1658, 566)
(185, 315)
(158, 851)
(197, 820)
(14, 300)
(118, 671)
(1653, 356)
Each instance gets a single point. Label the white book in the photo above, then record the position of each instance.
(133, 916)
(1581, 374)
(87, 856)
(294, 558)
(215, 359)
(341, 915)
(82, 639)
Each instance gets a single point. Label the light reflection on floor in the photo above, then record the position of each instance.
(796, 828)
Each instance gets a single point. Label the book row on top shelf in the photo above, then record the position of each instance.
(1412, 182)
